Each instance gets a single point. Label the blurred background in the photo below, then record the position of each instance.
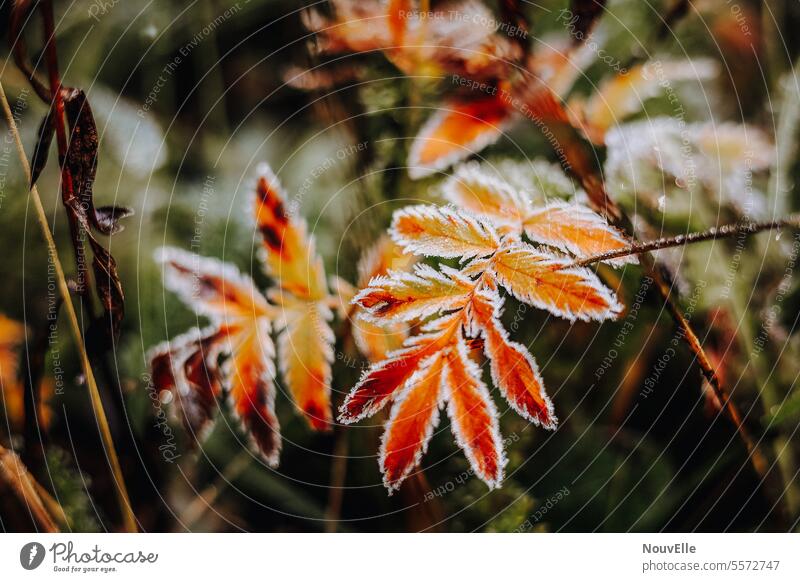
(190, 96)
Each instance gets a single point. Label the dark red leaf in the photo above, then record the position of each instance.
(82, 150)
(42, 149)
(199, 403)
(108, 286)
(81, 163)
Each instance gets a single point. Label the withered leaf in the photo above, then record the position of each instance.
(82, 150)
(108, 285)
(81, 162)
(42, 149)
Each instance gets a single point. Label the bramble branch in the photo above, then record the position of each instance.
(716, 232)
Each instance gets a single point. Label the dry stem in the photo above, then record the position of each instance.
(94, 393)
(716, 232)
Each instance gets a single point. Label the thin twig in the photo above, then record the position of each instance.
(97, 405)
(757, 458)
(725, 231)
(613, 212)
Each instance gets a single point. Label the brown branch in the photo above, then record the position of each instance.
(68, 195)
(757, 458)
(601, 202)
(592, 180)
(713, 233)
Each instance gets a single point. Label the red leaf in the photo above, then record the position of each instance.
(379, 384)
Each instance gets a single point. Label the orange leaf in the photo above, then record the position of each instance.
(411, 424)
(290, 254)
(356, 27)
(12, 334)
(474, 190)
(398, 11)
(442, 232)
(380, 258)
(473, 416)
(514, 371)
(376, 341)
(252, 392)
(576, 229)
(455, 132)
(212, 288)
(552, 283)
(305, 355)
(463, 40)
(409, 296)
(625, 94)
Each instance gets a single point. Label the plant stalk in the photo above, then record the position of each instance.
(94, 393)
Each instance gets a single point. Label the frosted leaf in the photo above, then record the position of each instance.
(552, 283)
(400, 296)
(442, 232)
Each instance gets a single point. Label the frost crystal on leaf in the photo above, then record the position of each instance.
(486, 228)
